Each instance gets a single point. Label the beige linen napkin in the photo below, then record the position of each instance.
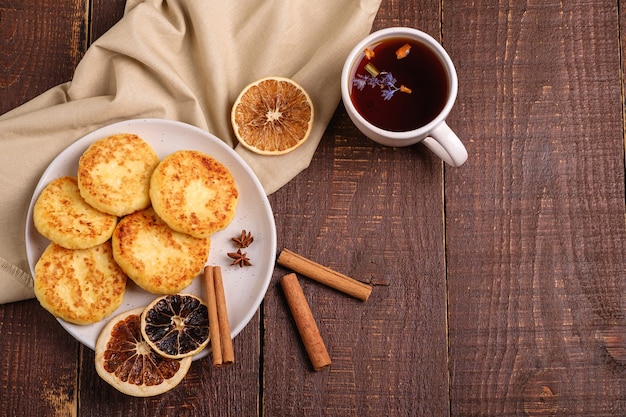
(179, 60)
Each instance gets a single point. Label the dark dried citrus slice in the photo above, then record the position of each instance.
(128, 363)
(176, 325)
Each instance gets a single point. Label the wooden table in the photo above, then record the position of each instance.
(498, 286)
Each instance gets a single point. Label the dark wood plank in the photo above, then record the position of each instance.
(38, 376)
(423, 15)
(39, 371)
(36, 55)
(532, 252)
(378, 347)
(535, 220)
(375, 214)
(104, 14)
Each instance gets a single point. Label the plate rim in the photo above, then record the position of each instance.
(127, 126)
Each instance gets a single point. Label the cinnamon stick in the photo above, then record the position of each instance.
(214, 329)
(228, 354)
(309, 333)
(324, 275)
(219, 328)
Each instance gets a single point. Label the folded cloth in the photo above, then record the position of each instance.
(179, 60)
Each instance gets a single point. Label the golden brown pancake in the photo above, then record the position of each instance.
(193, 193)
(114, 174)
(61, 215)
(159, 259)
(80, 286)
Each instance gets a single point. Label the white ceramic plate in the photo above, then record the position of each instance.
(244, 287)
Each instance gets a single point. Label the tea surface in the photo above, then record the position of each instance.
(377, 97)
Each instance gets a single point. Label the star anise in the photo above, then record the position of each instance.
(244, 241)
(240, 258)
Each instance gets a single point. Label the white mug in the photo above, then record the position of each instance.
(435, 134)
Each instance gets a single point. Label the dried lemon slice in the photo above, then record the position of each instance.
(176, 325)
(272, 116)
(126, 361)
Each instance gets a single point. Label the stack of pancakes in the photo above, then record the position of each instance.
(127, 214)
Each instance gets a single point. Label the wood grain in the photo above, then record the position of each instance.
(535, 265)
(364, 212)
(36, 55)
(38, 375)
(497, 287)
(39, 371)
(104, 13)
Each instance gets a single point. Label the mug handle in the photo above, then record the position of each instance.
(446, 145)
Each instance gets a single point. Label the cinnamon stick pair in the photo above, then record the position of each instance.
(309, 333)
(219, 328)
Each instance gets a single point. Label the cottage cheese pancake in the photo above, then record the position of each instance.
(80, 286)
(193, 193)
(159, 259)
(61, 215)
(114, 174)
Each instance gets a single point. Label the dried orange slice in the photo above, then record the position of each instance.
(126, 361)
(272, 116)
(176, 325)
